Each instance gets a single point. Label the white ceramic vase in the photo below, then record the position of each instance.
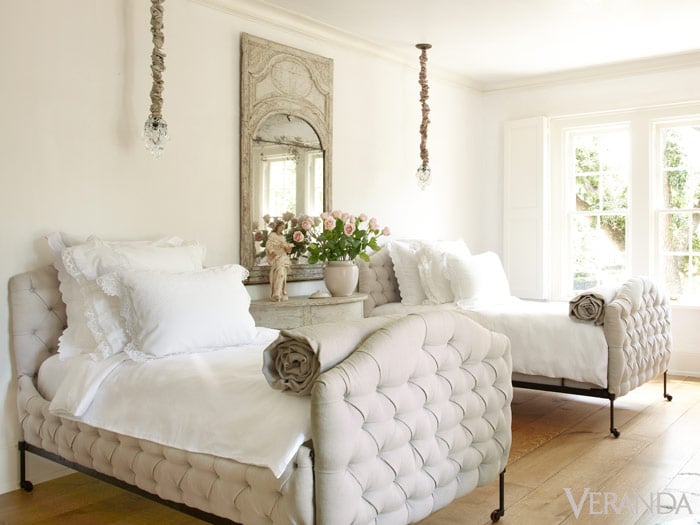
(340, 277)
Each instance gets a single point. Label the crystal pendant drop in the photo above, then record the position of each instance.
(423, 176)
(155, 133)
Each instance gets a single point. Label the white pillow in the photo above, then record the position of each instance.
(173, 313)
(76, 338)
(405, 258)
(432, 269)
(478, 280)
(86, 262)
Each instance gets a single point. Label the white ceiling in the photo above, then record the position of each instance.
(494, 42)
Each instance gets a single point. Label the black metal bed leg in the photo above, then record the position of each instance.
(668, 396)
(501, 510)
(24, 484)
(615, 432)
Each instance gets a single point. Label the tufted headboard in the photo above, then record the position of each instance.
(638, 332)
(378, 280)
(37, 318)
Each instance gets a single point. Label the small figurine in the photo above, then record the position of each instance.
(277, 250)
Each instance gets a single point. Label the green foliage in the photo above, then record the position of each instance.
(344, 237)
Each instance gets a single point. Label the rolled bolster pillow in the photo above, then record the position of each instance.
(589, 306)
(297, 357)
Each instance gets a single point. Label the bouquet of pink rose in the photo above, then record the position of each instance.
(296, 232)
(344, 237)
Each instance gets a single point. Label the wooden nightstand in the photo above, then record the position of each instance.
(300, 311)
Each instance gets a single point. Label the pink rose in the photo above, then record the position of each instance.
(258, 236)
(329, 223)
(349, 229)
(386, 231)
(306, 224)
(345, 216)
(298, 236)
(324, 215)
(351, 218)
(373, 224)
(363, 217)
(287, 215)
(337, 214)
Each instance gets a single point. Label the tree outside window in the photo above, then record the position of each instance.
(598, 170)
(679, 216)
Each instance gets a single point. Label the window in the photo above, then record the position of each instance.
(625, 200)
(597, 173)
(678, 192)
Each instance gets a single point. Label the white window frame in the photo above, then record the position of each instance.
(642, 246)
(657, 164)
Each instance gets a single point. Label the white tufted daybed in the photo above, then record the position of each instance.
(415, 417)
(635, 335)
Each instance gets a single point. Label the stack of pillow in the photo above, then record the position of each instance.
(440, 272)
(149, 299)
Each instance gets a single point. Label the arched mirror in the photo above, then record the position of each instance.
(286, 123)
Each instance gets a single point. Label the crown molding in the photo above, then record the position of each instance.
(259, 11)
(604, 72)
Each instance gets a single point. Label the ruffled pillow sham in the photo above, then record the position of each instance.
(87, 261)
(404, 256)
(169, 313)
(432, 269)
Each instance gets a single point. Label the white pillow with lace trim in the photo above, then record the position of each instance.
(76, 337)
(86, 262)
(169, 313)
(432, 269)
(405, 258)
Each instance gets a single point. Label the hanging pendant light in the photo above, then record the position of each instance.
(423, 174)
(155, 130)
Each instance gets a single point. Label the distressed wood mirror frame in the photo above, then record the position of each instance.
(277, 79)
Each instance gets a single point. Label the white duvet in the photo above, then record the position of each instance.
(214, 402)
(544, 340)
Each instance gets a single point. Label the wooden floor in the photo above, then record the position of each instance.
(559, 442)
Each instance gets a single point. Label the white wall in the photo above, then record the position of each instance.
(641, 90)
(74, 83)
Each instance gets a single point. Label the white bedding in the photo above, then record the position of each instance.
(214, 402)
(544, 340)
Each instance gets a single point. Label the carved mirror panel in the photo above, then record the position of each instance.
(286, 139)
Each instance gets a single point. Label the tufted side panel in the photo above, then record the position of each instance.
(243, 493)
(417, 416)
(638, 331)
(38, 318)
(378, 280)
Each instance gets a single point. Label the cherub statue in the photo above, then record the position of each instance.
(277, 250)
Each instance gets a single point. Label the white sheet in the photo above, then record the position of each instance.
(213, 402)
(545, 341)
(50, 375)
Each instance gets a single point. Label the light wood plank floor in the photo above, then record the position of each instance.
(559, 441)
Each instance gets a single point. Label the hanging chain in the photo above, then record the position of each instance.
(425, 109)
(157, 58)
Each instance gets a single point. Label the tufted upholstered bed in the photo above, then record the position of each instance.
(417, 416)
(637, 334)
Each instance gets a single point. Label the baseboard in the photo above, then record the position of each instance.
(684, 364)
(38, 469)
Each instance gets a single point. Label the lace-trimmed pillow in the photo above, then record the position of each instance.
(173, 313)
(86, 262)
(432, 269)
(405, 258)
(76, 338)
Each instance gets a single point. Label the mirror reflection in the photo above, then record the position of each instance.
(288, 173)
(286, 150)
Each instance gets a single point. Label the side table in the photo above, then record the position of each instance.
(300, 311)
